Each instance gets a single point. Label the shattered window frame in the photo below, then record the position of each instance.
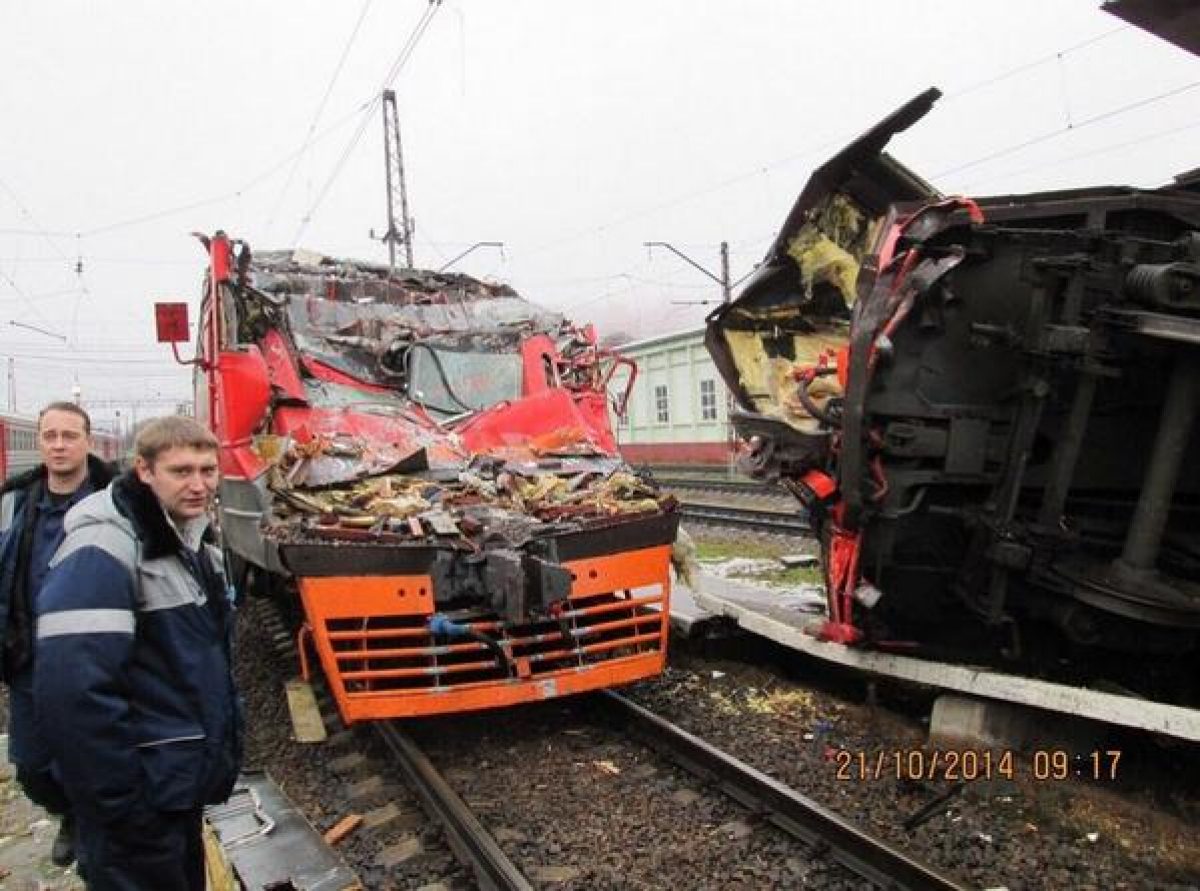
(453, 380)
(708, 399)
(662, 404)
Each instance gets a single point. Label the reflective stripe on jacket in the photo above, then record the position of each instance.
(133, 682)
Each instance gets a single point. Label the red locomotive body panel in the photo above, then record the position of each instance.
(426, 462)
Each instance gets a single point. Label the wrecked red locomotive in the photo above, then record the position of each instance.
(987, 406)
(424, 462)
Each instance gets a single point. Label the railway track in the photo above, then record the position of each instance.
(778, 522)
(575, 793)
(818, 829)
(729, 486)
(470, 841)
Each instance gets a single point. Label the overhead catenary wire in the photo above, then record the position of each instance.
(249, 184)
(1103, 116)
(1021, 68)
(368, 110)
(34, 232)
(58, 360)
(1026, 66)
(25, 298)
(316, 118)
(835, 141)
(367, 107)
(127, 351)
(203, 202)
(38, 229)
(81, 290)
(44, 295)
(268, 172)
(1113, 147)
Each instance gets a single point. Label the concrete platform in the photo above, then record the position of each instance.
(771, 614)
(689, 613)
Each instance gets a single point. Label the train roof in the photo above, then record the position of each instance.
(8, 418)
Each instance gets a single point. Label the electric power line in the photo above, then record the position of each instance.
(317, 114)
(1130, 143)
(251, 183)
(1103, 116)
(38, 228)
(60, 358)
(834, 141)
(38, 232)
(45, 295)
(402, 58)
(25, 298)
(78, 265)
(1036, 63)
(366, 108)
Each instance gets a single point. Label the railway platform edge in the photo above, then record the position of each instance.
(757, 610)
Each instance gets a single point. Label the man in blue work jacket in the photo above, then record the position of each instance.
(34, 505)
(133, 681)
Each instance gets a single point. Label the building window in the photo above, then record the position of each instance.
(662, 408)
(708, 400)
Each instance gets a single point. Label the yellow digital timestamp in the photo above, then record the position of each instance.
(969, 765)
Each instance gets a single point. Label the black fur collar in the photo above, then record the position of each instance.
(24, 480)
(136, 501)
(99, 472)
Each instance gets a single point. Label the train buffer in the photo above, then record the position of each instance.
(259, 840)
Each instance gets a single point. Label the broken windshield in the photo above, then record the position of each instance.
(453, 381)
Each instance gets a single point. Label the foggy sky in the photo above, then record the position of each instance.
(573, 132)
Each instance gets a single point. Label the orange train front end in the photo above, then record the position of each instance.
(388, 649)
(425, 463)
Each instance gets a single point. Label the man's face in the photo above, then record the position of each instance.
(63, 442)
(183, 479)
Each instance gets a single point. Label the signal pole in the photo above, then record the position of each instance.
(398, 231)
(722, 280)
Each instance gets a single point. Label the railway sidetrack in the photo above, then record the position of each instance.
(777, 522)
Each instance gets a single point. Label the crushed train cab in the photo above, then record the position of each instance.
(987, 406)
(425, 461)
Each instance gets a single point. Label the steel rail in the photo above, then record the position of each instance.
(796, 814)
(744, 487)
(745, 517)
(471, 842)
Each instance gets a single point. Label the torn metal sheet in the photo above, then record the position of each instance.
(987, 406)
(412, 409)
(270, 844)
(1173, 20)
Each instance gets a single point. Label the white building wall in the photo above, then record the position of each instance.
(679, 362)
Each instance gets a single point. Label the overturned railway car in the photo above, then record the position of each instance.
(987, 406)
(424, 464)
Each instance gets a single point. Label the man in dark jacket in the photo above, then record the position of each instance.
(133, 682)
(35, 504)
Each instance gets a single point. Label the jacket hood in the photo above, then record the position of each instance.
(97, 508)
(131, 505)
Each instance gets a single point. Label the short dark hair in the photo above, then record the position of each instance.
(172, 431)
(70, 408)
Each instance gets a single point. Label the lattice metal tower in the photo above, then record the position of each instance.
(400, 230)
